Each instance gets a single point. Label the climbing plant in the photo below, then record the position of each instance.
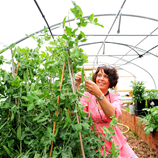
(29, 94)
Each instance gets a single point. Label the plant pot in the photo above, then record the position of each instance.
(139, 106)
(140, 112)
(155, 102)
(130, 94)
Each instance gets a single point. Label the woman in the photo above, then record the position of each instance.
(104, 104)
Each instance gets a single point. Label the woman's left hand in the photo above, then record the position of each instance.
(92, 88)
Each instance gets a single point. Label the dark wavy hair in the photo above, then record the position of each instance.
(111, 72)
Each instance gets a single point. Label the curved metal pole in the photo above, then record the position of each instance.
(111, 35)
(125, 60)
(140, 49)
(127, 71)
(138, 43)
(120, 68)
(97, 15)
(124, 70)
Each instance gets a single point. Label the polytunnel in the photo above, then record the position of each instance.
(123, 36)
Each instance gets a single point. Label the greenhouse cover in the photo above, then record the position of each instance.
(128, 40)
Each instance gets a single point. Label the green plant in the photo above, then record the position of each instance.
(151, 120)
(127, 109)
(30, 92)
(138, 90)
(152, 94)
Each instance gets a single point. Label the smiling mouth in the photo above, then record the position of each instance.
(101, 83)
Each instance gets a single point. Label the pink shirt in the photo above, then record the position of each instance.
(115, 100)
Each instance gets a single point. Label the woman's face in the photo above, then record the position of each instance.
(102, 80)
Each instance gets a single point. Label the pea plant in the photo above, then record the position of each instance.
(33, 98)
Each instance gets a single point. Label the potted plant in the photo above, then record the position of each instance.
(138, 98)
(152, 97)
(151, 122)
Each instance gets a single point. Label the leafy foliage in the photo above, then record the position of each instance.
(29, 105)
(151, 120)
(152, 94)
(138, 90)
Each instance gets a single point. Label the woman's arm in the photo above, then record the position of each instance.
(106, 106)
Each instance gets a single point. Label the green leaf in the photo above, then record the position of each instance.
(64, 21)
(32, 95)
(8, 62)
(6, 149)
(19, 132)
(104, 153)
(91, 17)
(95, 20)
(76, 10)
(42, 120)
(73, 32)
(84, 40)
(10, 142)
(67, 116)
(40, 102)
(64, 36)
(84, 24)
(68, 30)
(66, 123)
(79, 37)
(23, 104)
(12, 45)
(82, 94)
(35, 155)
(78, 127)
(82, 33)
(113, 148)
(30, 107)
(36, 118)
(99, 25)
(82, 75)
(12, 117)
(27, 98)
(85, 125)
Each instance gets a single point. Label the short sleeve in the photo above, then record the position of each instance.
(84, 101)
(116, 102)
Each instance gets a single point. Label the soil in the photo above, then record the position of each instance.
(141, 149)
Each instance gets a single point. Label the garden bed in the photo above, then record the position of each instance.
(132, 122)
(141, 149)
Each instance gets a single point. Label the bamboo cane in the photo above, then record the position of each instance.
(13, 67)
(16, 99)
(13, 73)
(17, 68)
(54, 125)
(74, 92)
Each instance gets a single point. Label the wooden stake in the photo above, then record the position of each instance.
(13, 67)
(17, 68)
(54, 125)
(74, 92)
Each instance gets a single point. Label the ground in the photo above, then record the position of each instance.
(141, 149)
